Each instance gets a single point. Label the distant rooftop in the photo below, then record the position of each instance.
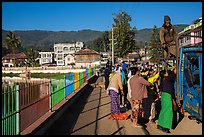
(15, 56)
(86, 51)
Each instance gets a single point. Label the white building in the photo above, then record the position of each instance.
(46, 57)
(69, 59)
(105, 56)
(192, 34)
(61, 50)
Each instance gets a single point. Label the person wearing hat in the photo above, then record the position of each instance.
(168, 35)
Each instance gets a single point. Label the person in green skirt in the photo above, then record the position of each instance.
(166, 114)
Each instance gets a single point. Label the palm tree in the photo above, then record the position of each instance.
(12, 42)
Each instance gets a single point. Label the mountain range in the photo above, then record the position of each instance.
(44, 40)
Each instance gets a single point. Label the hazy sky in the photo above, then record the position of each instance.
(73, 16)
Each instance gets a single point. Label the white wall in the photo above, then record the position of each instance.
(63, 49)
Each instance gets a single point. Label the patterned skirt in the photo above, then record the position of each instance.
(136, 109)
(115, 107)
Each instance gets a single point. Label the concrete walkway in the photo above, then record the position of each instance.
(89, 116)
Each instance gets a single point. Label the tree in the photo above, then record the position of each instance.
(12, 42)
(96, 45)
(32, 56)
(105, 41)
(124, 34)
(4, 51)
(155, 50)
(100, 44)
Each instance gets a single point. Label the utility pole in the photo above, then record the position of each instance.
(112, 49)
(113, 46)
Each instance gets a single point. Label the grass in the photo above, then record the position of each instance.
(34, 75)
(10, 74)
(45, 75)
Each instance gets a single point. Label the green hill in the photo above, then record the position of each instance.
(44, 40)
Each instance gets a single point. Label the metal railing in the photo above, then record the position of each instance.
(24, 103)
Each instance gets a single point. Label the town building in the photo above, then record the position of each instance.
(61, 50)
(192, 34)
(10, 60)
(69, 60)
(105, 56)
(46, 57)
(87, 58)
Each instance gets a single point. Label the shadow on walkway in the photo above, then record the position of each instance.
(65, 124)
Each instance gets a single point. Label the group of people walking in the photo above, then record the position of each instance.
(141, 87)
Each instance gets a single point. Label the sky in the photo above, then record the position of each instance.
(75, 16)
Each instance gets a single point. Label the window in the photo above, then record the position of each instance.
(199, 33)
(71, 48)
(43, 55)
(59, 48)
(65, 49)
(185, 39)
(44, 60)
(181, 40)
(49, 55)
(59, 55)
(59, 58)
(60, 62)
(77, 48)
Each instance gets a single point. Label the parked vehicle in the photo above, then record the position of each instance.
(189, 71)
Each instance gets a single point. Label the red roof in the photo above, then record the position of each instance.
(15, 56)
(86, 52)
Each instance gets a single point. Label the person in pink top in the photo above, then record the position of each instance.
(137, 91)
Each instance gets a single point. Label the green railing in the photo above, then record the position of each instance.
(10, 110)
